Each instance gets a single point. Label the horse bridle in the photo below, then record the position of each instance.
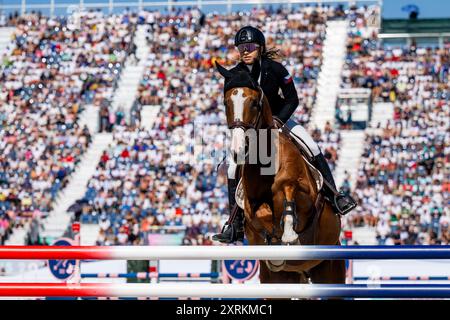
(245, 126)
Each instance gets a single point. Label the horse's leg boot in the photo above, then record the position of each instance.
(289, 218)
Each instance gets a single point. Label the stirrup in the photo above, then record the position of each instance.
(229, 234)
(349, 207)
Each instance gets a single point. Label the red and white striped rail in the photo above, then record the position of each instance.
(222, 290)
(224, 252)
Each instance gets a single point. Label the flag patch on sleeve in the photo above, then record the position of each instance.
(287, 79)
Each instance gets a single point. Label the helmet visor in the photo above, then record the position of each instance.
(250, 47)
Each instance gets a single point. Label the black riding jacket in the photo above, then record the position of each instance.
(274, 76)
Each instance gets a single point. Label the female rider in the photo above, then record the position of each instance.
(272, 76)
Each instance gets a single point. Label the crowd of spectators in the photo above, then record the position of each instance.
(137, 186)
(403, 180)
(165, 178)
(329, 141)
(52, 68)
(189, 135)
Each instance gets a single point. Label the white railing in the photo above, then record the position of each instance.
(23, 6)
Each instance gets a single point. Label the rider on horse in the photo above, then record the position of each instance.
(273, 76)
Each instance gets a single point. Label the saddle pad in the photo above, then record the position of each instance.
(315, 173)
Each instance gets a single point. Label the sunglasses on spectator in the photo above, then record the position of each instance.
(250, 47)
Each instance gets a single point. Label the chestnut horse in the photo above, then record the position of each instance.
(283, 208)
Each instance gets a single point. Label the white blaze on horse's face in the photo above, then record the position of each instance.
(238, 134)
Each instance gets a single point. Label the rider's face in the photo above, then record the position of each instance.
(249, 57)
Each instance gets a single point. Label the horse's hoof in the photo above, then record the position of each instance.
(275, 265)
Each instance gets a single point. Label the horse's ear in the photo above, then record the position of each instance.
(223, 71)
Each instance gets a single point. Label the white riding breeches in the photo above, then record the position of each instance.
(303, 138)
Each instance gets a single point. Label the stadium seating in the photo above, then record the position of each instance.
(152, 180)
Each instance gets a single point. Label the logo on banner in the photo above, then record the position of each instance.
(241, 270)
(62, 269)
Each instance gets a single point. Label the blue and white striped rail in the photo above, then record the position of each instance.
(397, 278)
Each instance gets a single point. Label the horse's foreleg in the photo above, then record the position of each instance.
(264, 215)
(289, 216)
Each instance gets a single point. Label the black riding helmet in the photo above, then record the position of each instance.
(249, 34)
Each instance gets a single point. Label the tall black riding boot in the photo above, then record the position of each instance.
(342, 203)
(233, 230)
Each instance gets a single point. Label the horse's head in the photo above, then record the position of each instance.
(247, 110)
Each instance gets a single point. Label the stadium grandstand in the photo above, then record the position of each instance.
(114, 117)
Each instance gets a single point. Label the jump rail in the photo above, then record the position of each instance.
(224, 252)
(151, 275)
(223, 290)
(400, 278)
